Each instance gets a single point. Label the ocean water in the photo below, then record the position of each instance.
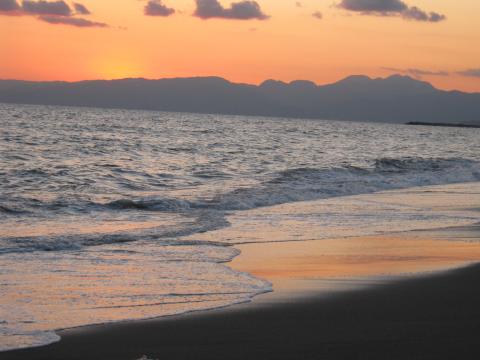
(105, 215)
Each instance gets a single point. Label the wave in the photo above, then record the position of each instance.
(295, 184)
(153, 204)
(77, 242)
(167, 236)
(302, 184)
(291, 185)
(8, 210)
(420, 164)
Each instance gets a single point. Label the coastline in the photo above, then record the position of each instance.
(432, 315)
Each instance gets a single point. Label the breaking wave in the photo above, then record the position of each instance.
(303, 184)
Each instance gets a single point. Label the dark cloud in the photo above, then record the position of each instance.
(157, 8)
(436, 17)
(414, 13)
(58, 8)
(318, 15)
(390, 8)
(53, 12)
(9, 6)
(374, 6)
(298, 4)
(470, 73)
(242, 10)
(81, 9)
(417, 73)
(78, 22)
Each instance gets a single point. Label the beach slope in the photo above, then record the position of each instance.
(431, 317)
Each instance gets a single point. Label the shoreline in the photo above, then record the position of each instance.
(315, 271)
(365, 319)
(345, 325)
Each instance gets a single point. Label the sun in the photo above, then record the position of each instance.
(117, 68)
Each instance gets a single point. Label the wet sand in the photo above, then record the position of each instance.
(309, 316)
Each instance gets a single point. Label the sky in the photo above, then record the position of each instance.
(242, 41)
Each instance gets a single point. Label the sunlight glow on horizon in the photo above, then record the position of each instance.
(116, 67)
(291, 45)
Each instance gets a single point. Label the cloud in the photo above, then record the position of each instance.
(53, 12)
(470, 73)
(78, 22)
(157, 8)
(242, 10)
(81, 9)
(390, 8)
(56, 12)
(417, 73)
(58, 8)
(436, 17)
(374, 6)
(318, 15)
(9, 6)
(414, 13)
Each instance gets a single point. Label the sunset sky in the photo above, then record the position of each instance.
(318, 40)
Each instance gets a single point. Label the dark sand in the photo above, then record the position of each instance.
(435, 317)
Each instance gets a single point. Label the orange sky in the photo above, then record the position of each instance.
(291, 44)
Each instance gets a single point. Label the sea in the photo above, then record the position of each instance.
(103, 213)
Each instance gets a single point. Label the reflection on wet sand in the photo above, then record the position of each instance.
(322, 246)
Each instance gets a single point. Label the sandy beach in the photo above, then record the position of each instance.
(395, 295)
(431, 316)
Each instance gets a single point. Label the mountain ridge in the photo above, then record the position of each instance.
(397, 98)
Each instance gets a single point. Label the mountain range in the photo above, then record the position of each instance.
(398, 99)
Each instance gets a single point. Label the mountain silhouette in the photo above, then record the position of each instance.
(397, 99)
